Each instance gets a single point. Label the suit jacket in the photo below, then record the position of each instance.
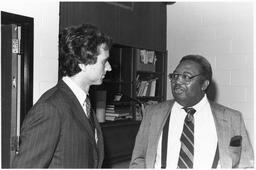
(57, 134)
(228, 122)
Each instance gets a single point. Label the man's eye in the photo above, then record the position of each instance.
(175, 76)
(186, 77)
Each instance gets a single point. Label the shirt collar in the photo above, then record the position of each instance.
(79, 93)
(201, 104)
(198, 106)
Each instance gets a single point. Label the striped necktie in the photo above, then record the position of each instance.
(186, 156)
(88, 112)
(88, 106)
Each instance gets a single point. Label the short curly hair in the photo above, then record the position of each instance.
(206, 68)
(80, 44)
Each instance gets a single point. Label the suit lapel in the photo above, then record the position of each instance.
(222, 126)
(100, 145)
(77, 110)
(157, 124)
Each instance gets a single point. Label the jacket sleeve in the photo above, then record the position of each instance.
(139, 152)
(39, 136)
(247, 157)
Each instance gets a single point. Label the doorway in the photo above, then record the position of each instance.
(17, 35)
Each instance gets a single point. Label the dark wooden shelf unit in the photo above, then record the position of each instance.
(119, 135)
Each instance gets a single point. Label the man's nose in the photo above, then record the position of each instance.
(108, 67)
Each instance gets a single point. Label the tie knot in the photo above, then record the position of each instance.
(190, 112)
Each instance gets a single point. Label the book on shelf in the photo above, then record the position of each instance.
(152, 88)
(146, 88)
(113, 118)
(110, 109)
(117, 112)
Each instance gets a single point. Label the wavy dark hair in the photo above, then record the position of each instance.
(80, 44)
(206, 69)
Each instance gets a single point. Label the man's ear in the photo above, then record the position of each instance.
(82, 67)
(205, 85)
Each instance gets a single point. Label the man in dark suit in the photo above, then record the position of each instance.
(191, 131)
(61, 130)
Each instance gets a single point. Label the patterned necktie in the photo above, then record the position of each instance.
(88, 112)
(88, 106)
(186, 156)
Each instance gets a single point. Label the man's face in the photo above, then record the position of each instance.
(188, 93)
(95, 73)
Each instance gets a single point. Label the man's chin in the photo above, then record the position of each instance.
(99, 82)
(180, 101)
(179, 97)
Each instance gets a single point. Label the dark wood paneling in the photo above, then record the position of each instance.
(137, 24)
(102, 15)
(149, 26)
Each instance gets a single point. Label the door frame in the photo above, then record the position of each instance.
(27, 41)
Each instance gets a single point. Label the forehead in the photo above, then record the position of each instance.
(188, 66)
(103, 51)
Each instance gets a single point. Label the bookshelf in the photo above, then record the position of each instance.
(150, 72)
(126, 90)
(138, 77)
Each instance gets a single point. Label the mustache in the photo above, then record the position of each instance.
(177, 86)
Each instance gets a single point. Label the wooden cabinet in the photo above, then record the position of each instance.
(119, 138)
(133, 72)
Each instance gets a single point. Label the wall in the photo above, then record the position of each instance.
(138, 24)
(46, 28)
(223, 33)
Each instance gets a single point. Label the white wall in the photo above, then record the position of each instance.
(223, 33)
(46, 29)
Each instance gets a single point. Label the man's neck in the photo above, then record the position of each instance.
(80, 83)
(191, 103)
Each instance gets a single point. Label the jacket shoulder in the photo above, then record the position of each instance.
(225, 110)
(158, 108)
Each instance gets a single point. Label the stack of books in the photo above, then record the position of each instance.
(118, 112)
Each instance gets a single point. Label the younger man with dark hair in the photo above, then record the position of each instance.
(61, 130)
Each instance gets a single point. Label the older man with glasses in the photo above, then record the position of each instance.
(191, 131)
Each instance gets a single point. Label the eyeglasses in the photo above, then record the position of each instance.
(184, 77)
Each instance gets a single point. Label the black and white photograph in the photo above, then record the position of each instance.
(127, 84)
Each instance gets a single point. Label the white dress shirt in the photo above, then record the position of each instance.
(205, 136)
(78, 92)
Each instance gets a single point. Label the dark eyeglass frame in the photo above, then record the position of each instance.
(185, 78)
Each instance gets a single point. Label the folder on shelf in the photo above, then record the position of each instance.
(145, 60)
